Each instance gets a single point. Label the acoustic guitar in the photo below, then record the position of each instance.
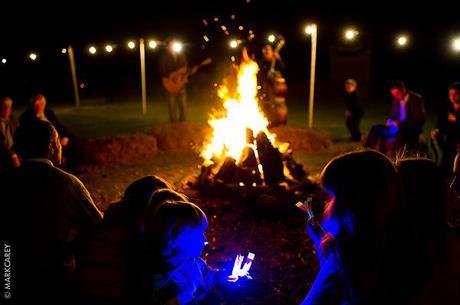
(177, 79)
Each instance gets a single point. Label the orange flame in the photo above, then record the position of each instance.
(229, 130)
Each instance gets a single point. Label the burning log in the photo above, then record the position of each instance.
(228, 172)
(270, 159)
(295, 168)
(249, 167)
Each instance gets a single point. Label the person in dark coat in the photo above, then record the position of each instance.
(354, 110)
(111, 256)
(448, 129)
(437, 272)
(38, 110)
(408, 114)
(45, 214)
(406, 122)
(8, 126)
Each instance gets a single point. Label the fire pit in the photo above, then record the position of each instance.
(242, 158)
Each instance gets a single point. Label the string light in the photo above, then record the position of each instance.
(456, 44)
(310, 29)
(152, 44)
(350, 34)
(131, 44)
(33, 56)
(177, 46)
(233, 44)
(402, 40)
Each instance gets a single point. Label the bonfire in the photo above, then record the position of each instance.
(241, 152)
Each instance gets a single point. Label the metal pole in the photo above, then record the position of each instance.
(311, 99)
(143, 81)
(73, 71)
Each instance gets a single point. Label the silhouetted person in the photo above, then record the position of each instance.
(406, 122)
(46, 213)
(448, 129)
(438, 271)
(171, 61)
(39, 110)
(109, 272)
(362, 253)
(8, 126)
(354, 110)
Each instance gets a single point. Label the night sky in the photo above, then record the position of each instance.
(428, 64)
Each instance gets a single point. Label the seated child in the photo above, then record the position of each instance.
(109, 268)
(174, 241)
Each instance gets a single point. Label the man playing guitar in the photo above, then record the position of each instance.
(175, 72)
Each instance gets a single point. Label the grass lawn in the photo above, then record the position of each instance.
(107, 119)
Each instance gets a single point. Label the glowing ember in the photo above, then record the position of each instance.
(229, 129)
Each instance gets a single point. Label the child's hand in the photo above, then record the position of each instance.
(232, 278)
(225, 278)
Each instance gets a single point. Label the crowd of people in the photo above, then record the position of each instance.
(385, 234)
(402, 132)
(387, 239)
(146, 249)
(387, 231)
(38, 110)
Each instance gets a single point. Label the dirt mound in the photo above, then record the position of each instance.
(184, 136)
(122, 149)
(181, 136)
(125, 149)
(303, 139)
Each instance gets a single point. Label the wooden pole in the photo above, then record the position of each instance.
(73, 71)
(311, 99)
(143, 81)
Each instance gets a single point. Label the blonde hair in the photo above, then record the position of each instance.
(169, 219)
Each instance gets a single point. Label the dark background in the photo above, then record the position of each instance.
(428, 65)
